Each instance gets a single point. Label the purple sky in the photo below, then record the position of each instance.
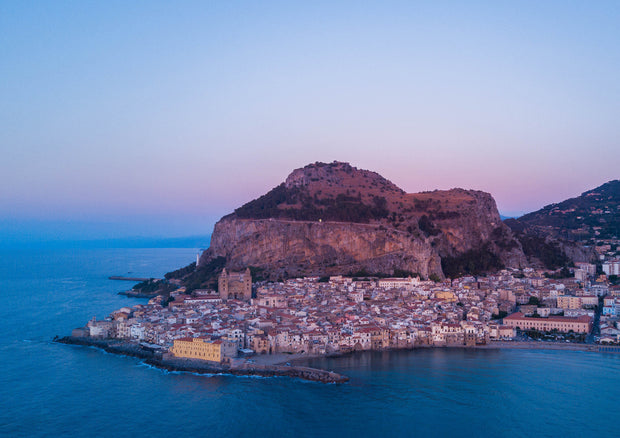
(157, 118)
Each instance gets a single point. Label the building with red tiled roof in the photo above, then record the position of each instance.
(565, 324)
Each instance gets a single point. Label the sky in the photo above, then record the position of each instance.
(150, 118)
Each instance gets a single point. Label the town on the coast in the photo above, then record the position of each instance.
(243, 321)
(337, 259)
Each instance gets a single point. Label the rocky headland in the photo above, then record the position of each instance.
(329, 219)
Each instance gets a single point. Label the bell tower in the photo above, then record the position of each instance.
(222, 284)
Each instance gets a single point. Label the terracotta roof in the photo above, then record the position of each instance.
(520, 317)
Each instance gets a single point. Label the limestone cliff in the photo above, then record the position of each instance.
(333, 218)
(289, 248)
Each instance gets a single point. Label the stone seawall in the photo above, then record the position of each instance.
(539, 345)
(201, 367)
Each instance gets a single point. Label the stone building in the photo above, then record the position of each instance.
(564, 324)
(204, 349)
(235, 285)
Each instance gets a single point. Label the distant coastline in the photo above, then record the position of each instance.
(122, 278)
(26, 243)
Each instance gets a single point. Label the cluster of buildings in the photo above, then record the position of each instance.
(609, 256)
(313, 316)
(612, 267)
(563, 324)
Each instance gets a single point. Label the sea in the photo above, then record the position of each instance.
(55, 390)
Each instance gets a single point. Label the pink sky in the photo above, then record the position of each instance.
(110, 114)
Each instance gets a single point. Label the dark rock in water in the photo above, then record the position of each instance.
(139, 294)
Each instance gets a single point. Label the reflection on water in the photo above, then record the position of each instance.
(49, 389)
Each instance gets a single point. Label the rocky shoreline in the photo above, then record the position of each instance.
(529, 345)
(136, 294)
(152, 356)
(164, 361)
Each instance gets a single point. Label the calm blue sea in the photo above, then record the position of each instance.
(48, 389)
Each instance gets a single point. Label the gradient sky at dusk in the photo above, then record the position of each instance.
(157, 118)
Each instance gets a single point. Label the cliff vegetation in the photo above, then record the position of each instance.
(330, 219)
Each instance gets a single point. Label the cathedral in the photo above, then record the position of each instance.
(235, 285)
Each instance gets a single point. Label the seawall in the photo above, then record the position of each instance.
(201, 367)
(572, 346)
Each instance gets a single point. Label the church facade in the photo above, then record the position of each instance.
(235, 285)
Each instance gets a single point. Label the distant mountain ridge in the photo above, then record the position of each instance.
(593, 214)
(563, 232)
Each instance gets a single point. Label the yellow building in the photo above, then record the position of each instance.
(569, 302)
(260, 344)
(445, 295)
(198, 348)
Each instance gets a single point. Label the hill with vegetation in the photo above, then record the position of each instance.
(332, 218)
(594, 214)
(559, 234)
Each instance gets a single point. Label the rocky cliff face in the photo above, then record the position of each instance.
(290, 248)
(331, 219)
